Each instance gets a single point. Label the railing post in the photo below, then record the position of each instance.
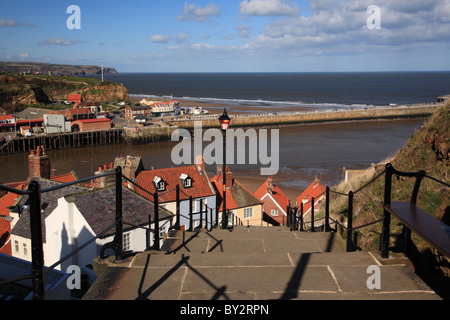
(118, 239)
(211, 222)
(385, 234)
(350, 222)
(156, 222)
(206, 218)
(177, 225)
(301, 216)
(312, 214)
(201, 214)
(217, 216)
(37, 253)
(327, 210)
(288, 211)
(191, 220)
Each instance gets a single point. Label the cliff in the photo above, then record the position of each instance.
(47, 68)
(17, 91)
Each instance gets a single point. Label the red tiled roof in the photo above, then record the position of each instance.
(315, 189)
(280, 198)
(74, 111)
(7, 117)
(65, 178)
(92, 120)
(231, 204)
(238, 196)
(201, 186)
(5, 226)
(73, 96)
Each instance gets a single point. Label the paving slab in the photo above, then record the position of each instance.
(255, 264)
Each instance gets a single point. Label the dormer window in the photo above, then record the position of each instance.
(160, 184)
(186, 181)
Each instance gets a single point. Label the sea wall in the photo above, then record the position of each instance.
(141, 135)
(311, 117)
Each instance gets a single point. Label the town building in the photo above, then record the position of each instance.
(165, 109)
(192, 181)
(7, 123)
(74, 99)
(153, 109)
(244, 208)
(275, 202)
(56, 123)
(143, 111)
(7, 119)
(38, 167)
(315, 190)
(93, 106)
(74, 215)
(91, 125)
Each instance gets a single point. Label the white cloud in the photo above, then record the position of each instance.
(244, 31)
(158, 38)
(267, 8)
(7, 23)
(193, 12)
(60, 42)
(334, 27)
(14, 23)
(180, 38)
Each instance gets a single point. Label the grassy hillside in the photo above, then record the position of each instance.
(19, 91)
(427, 149)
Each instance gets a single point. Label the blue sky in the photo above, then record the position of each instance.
(230, 35)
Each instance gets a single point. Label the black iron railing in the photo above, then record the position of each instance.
(34, 192)
(295, 219)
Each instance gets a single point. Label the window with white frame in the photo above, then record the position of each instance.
(25, 249)
(16, 246)
(126, 241)
(274, 212)
(248, 213)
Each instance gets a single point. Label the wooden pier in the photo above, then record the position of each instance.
(62, 141)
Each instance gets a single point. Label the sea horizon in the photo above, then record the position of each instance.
(310, 89)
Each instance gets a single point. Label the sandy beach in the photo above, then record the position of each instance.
(217, 107)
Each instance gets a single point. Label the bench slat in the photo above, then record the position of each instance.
(431, 229)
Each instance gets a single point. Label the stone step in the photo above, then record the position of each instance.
(246, 240)
(257, 277)
(255, 263)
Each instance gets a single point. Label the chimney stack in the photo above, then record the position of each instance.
(270, 185)
(229, 178)
(38, 164)
(200, 162)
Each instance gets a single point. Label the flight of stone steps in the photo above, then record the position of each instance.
(257, 263)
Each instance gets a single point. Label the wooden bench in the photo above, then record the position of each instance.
(426, 226)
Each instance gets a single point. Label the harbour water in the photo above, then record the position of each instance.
(304, 153)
